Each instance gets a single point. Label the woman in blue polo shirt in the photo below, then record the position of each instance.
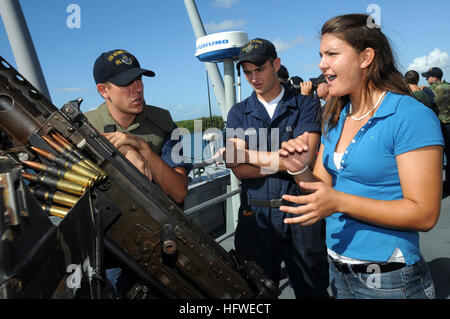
(377, 179)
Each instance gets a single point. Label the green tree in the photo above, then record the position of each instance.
(217, 122)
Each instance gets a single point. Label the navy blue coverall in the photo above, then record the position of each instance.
(261, 235)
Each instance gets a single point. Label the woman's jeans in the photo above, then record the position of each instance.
(412, 282)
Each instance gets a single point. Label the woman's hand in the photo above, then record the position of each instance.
(321, 203)
(294, 153)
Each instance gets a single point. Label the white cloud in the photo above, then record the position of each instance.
(224, 25)
(282, 45)
(225, 3)
(176, 109)
(436, 58)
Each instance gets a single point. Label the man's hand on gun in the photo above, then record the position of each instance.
(119, 138)
(136, 159)
(133, 148)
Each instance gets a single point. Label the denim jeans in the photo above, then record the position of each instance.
(409, 282)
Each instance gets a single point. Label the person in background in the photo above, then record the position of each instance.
(412, 78)
(291, 83)
(271, 115)
(320, 88)
(377, 178)
(441, 91)
(316, 87)
(283, 74)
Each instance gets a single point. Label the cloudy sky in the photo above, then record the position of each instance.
(70, 34)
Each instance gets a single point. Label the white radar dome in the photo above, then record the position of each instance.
(219, 46)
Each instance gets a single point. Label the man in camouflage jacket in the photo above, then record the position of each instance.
(441, 90)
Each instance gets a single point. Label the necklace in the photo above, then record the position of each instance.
(365, 115)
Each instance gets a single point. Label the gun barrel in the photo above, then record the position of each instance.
(23, 110)
(15, 120)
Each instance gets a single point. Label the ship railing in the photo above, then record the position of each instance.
(230, 228)
(230, 225)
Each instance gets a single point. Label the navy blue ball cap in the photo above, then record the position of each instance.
(436, 72)
(118, 67)
(257, 52)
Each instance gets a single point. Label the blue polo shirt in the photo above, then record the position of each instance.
(294, 115)
(369, 169)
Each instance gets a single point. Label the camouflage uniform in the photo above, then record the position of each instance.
(441, 90)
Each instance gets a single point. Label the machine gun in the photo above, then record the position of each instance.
(46, 252)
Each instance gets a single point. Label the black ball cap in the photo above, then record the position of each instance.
(436, 72)
(257, 52)
(118, 67)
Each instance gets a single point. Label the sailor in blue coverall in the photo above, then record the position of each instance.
(261, 234)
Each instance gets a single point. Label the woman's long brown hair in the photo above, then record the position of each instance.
(360, 32)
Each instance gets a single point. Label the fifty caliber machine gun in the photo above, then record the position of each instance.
(48, 251)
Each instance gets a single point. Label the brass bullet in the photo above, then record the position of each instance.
(53, 182)
(68, 154)
(72, 148)
(61, 150)
(67, 164)
(55, 210)
(54, 196)
(61, 173)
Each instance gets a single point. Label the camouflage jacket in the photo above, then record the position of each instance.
(441, 90)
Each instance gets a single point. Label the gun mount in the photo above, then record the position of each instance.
(47, 252)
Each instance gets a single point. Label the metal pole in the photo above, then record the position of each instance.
(213, 70)
(230, 98)
(209, 102)
(22, 45)
(226, 98)
(230, 90)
